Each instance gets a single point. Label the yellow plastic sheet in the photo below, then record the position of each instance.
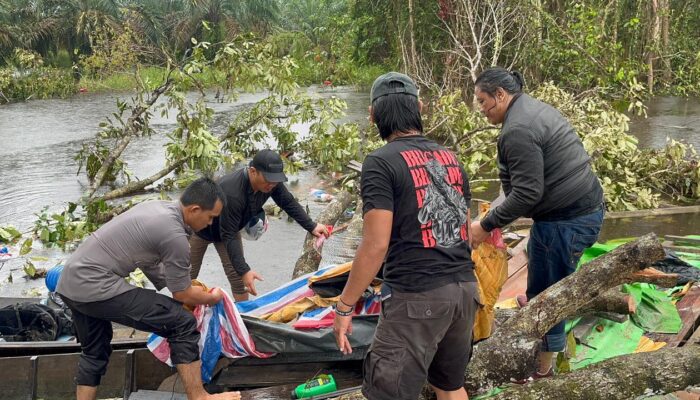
(491, 268)
(646, 344)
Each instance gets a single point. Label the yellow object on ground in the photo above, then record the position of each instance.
(508, 303)
(646, 344)
(491, 268)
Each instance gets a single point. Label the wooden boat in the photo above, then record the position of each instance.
(45, 370)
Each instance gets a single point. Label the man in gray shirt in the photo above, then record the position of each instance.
(152, 236)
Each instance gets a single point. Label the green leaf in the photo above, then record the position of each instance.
(45, 235)
(26, 247)
(29, 269)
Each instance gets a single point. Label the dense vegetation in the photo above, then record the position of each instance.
(592, 59)
(620, 48)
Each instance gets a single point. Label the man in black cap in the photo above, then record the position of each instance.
(246, 190)
(415, 198)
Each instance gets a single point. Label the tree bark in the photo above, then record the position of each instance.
(310, 257)
(512, 350)
(623, 377)
(611, 301)
(653, 43)
(141, 184)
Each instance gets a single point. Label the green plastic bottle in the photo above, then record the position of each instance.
(321, 384)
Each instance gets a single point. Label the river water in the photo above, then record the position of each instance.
(39, 139)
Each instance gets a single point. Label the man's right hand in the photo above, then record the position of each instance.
(249, 281)
(215, 296)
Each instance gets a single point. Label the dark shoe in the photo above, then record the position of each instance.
(537, 375)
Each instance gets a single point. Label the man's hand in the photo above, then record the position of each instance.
(319, 230)
(342, 326)
(478, 234)
(215, 296)
(249, 281)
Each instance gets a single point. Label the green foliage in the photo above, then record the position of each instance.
(331, 146)
(61, 229)
(9, 234)
(112, 52)
(452, 121)
(28, 79)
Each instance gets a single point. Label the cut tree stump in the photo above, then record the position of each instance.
(511, 351)
(310, 257)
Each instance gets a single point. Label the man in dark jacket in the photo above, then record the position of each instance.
(545, 174)
(246, 190)
(415, 202)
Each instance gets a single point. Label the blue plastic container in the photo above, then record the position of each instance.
(52, 277)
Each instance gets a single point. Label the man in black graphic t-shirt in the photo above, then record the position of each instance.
(416, 196)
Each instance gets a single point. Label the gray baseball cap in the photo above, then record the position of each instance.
(382, 86)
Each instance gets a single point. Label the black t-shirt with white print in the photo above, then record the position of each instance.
(427, 189)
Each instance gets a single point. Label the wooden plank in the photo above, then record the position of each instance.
(129, 374)
(515, 285)
(156, 395)
(682, 239)
(19, 349)
(682, 249)
(689, 310)
(519, 258)
(149, 371)
(270, 375)
(631, 214)
(33, 372)
(14, 383)
(694, 338)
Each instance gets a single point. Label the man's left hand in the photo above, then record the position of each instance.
(478, 234)
(342, 326)
(319, 230)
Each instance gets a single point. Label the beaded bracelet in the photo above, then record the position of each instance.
(343, 313)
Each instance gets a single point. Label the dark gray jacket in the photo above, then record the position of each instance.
(542, 165)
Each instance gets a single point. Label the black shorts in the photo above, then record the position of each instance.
(421, 335)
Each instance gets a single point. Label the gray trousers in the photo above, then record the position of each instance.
(198, 247)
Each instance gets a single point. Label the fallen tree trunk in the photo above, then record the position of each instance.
(512, 350)
(310, 257)
(611, 301)
(619, 378)
(623, 377)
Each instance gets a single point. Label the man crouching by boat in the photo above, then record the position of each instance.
(151, 236)
(415, 202)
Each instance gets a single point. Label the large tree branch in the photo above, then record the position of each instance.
(131, 127)
(623, 377)
(141, 184)
(512, 350)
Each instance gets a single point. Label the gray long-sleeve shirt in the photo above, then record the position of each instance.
(241, 205)
(543, 166)
(151, 236)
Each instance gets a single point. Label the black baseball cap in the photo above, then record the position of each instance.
(382, 86)
(270, 164)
